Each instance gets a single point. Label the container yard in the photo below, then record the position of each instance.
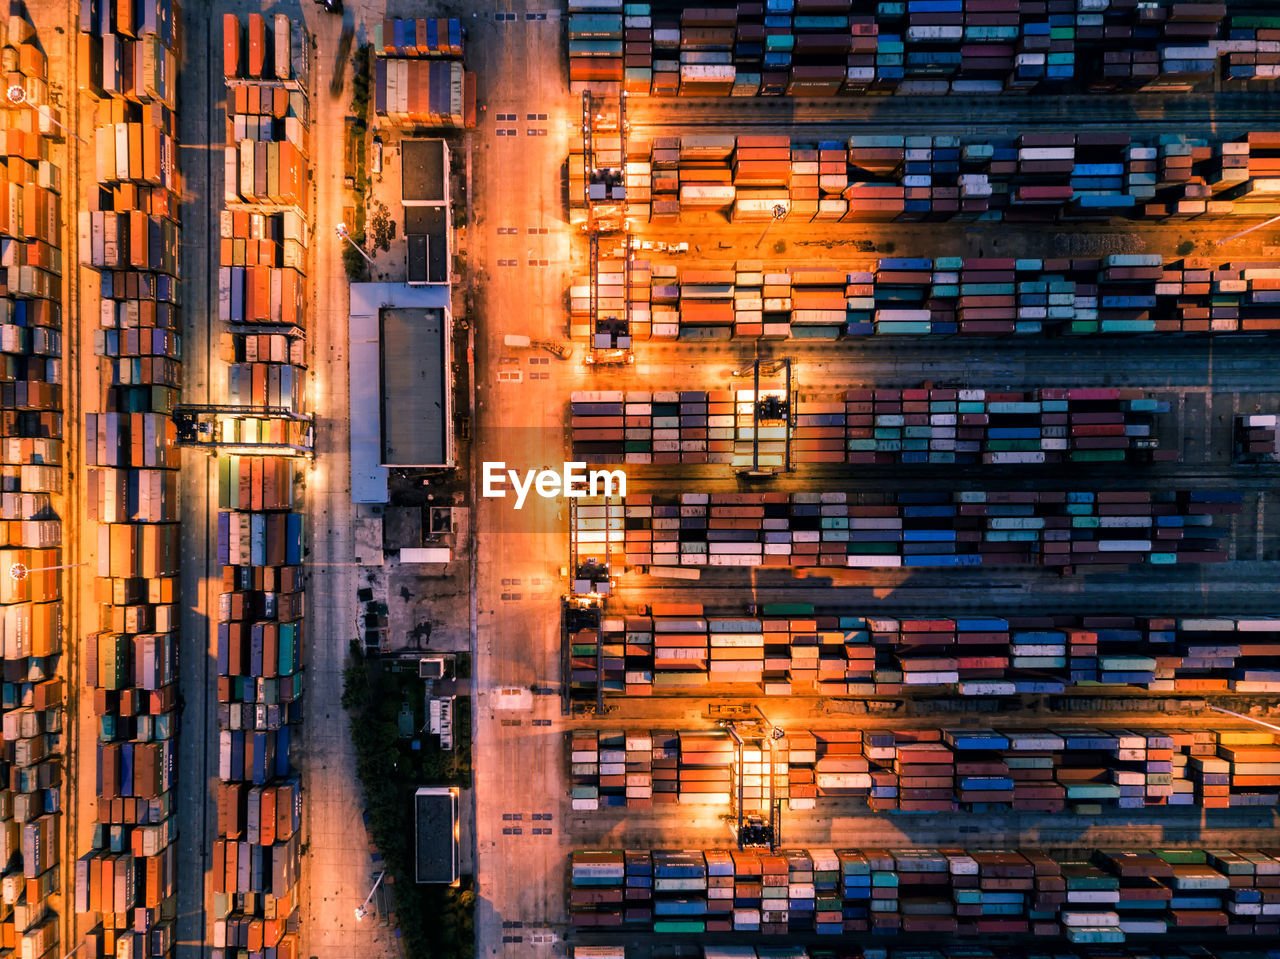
(859, 287)
(927, 347)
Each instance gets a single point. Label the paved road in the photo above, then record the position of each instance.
(517, 196)
(200, 125)
(716, 242)
(847, 823)
(338, 864)
(1220, 114)
(1223, 589)
(1237, 364)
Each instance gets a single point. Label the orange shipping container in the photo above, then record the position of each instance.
(257, 44)
(230, 45)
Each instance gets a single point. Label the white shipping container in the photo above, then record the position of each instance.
(874, 561)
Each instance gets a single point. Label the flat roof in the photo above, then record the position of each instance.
(426, 230)
(435, 837)
(368, 478)
(422, 171)
(415, 385)
(368, 471)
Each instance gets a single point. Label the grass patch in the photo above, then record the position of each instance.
(436, 922)
(357, 267)
(357, 131)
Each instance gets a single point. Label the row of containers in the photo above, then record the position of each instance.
(1121, 294)
(965, 528)
(262, 295)
(418, 76)
(1079, 895)
(888, 427)
(790, 650)
(124, 886)
(1079, 769)
(263, 228)
(1034, 177)
(829, 49)
(129, 50)
(31, 462)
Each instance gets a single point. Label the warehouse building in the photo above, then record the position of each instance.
(401, 375)
(424, 195)
(435, 834)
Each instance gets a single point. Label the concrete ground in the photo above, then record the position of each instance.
(517, 753)
(338, 865)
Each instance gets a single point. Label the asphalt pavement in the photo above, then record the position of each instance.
(518, 218)
(338, 865)
(200, 124)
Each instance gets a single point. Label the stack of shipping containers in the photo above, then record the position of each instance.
(1090, 896)
(1116, 295)
(1028, 768)
(262, 301)
(1042, 177)
(263, 227)
(1258, 437)
(884, 427)
(791, 650)
(31, 410)
(129, 237)
(962, 528)
(418, 75)
(829, 49)
(1080, 753)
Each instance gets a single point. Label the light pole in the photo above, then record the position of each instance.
(16, 94)
(1248, 719)
(361, 911)
(18, 571)
(779, 211)
(1235, 236)
(341, 230)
